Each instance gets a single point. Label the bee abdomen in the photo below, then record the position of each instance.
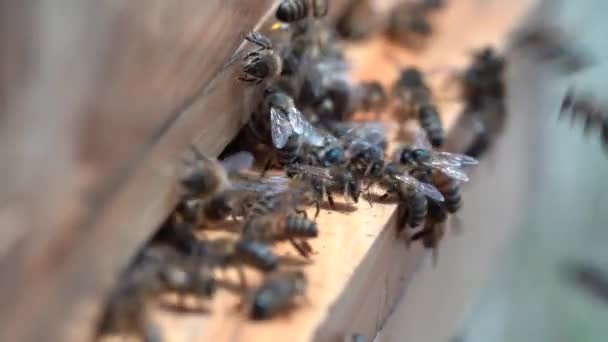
(417, 209)
(320, 8)
(290, 153)
(431, 124)
(299, 226)
(436, 212)
(450, 190)
(292, 10)
(453, 200)
(257, 254)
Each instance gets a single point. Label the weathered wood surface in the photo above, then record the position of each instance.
(99, 99)
(89, 89)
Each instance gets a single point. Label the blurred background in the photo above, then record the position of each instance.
(543, 288)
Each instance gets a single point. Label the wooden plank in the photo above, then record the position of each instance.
(359, 270)
(150, 86)
(133, 68)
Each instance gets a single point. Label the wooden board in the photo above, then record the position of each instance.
(98, 103)
(359, 270)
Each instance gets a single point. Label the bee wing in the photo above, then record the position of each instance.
(297, 120)
(453, 172)
(238, 162)
(456, 159)
(316, 171)
(422, 141)
(428, 190)
(276, 184)
(312, 135)
(280, 128)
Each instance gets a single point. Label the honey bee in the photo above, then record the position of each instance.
(592, 114)
(263, 63)
(483, 79)
(408, 25)
(326, 181)
(207, 176)
(372, 96)
(550, 44)
(449, 164)
(359, 20)
(277, 294)
(365, 145)
(280, 227)
(294, 10)
(285, 119)
(185, 275)
(450, 189)
(415, 100)
(226, 252)
(434, 229)
(411, 193)
(126, 312)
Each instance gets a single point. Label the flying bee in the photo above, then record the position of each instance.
(326, 181)
(280, 227)
(550, 44)
(434, 229)
(372, 96)
(294, 10)
(277, 293)
(263, 63)
(415, 100)
(592, 113)
(408, 25)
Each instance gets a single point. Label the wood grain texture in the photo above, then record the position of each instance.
(360, 270)
(99, 100)
(89, 88)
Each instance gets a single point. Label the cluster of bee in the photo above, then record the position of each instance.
(303, 99)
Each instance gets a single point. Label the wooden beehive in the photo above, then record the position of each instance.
(92, 134)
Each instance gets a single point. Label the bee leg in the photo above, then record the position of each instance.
(318, 209)
(267, 167)
(306, 246)
(248, 79)
(330, 199)
(258, 39)
(301, 250)
(301, 212)
(242, 278)
(385, 196)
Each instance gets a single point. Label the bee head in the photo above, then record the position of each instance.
(420, 155)
(334, 155)
(410, 76)
(405, 156)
